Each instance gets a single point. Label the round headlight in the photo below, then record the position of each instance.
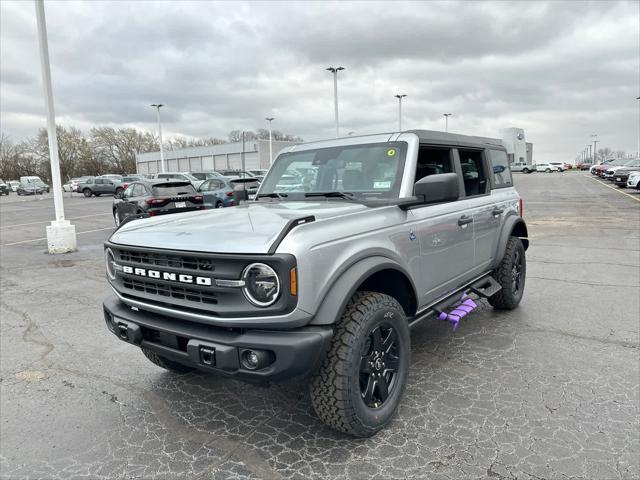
(261, 284)
(109, 261)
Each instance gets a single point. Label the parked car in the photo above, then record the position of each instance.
(326, 281)
(238, 173)
(600, 170)
(36, 181)
(584, 166)
(100, 186)
(113, 176)
(227, 192)
(181, 176)
(29, 188)
(629, 166)
(634, 180)
(559, 165)
(202, 176)
(259, 173)
(548, 167)
(4, 188)
(522, 167)
(127, 179)
(13, 184)
(155, 197)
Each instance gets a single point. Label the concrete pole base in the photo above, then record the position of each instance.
(61, 237)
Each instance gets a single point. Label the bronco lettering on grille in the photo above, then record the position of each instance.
(174, 277)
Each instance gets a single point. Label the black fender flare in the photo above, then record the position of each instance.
(336, 299)
(511, 224)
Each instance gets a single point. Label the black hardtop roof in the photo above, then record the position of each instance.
(445, 138)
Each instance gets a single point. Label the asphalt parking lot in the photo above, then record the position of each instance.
(547, 391)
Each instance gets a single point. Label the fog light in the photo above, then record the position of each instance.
(252, 359)
(255, 359)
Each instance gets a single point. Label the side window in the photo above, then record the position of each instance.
(206, 186)
(128, 193)
(475, 180)
(216, 184)
(432, 161)
(98, 181)
(140, 190)
(500, 167)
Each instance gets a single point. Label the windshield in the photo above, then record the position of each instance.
(366, 171)
(632, 163)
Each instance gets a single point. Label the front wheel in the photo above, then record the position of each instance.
(548, 170)
(86, 192)
(361, 381)
(525, 170)
(511, 275)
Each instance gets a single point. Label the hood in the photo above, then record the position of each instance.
(249, 228)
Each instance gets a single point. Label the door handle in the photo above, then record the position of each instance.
(497, 211)
(464, 220)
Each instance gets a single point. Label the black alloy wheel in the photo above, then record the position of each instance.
(379, 365)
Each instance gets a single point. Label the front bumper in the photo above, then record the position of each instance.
(286, 353)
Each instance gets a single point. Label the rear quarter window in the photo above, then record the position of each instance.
(500, 169)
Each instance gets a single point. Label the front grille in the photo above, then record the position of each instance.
(170, 291)
(167, 260)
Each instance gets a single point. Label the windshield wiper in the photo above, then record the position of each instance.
(336, 194)
(279, 196)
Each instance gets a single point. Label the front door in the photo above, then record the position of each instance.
(445, 232)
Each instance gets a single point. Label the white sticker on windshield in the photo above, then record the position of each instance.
(381, 184)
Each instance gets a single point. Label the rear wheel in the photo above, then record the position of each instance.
(219, 205)
(362, 379)
(166, 363)
(548, 170)
(525, 170)
(510, 274)
(86, 192)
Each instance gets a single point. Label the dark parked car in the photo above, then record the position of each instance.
(227, 192)
(155, 197)
(29, 189)
(100, 186)
(4, 188)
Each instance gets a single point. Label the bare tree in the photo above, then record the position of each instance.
(118, 147)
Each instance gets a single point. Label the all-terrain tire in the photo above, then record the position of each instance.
(513, 265)
(166, 363)
(336, 390)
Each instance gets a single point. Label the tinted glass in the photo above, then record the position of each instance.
(368, 171)
(173, 190)
(500, 168)
(475, 181)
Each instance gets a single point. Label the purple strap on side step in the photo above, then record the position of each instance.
(466, 305)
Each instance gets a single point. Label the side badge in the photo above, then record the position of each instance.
(412, 236)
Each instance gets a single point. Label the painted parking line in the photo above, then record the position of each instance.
(49, 221)
(44, 238)
(615, 189)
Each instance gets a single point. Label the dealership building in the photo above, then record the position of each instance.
(518, 149)
(214, 157)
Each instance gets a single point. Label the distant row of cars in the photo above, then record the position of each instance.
(28, 185)
(540, 167)
(623, 172)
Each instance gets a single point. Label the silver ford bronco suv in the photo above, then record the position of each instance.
(349, 244)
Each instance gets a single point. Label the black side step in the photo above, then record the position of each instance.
(485, 287)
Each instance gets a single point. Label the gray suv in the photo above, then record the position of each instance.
(326, 279)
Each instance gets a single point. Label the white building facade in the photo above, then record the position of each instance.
(518, 150)
(214, 157)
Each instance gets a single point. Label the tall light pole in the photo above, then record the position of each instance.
(270, 119)
(446, 121)
(61, 235)
(157, 107)
(400, 97)
(590, 157)
(638, 152)
(335, 71)
(595, 142)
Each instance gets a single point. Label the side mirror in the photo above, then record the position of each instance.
(442, 187)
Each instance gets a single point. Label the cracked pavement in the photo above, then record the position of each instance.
(547, 391)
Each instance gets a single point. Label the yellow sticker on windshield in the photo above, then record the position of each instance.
(391, 152)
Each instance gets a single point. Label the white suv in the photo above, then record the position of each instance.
(550, 167)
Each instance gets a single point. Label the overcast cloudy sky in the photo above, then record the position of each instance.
(560, 70)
